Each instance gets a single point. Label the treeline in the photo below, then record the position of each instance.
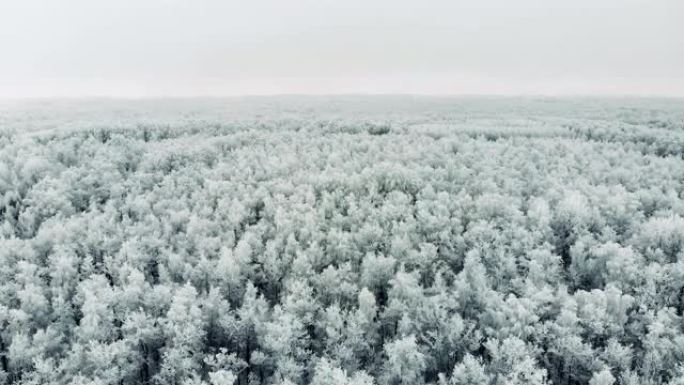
(341, 252)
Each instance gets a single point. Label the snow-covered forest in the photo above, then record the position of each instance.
(342, 241)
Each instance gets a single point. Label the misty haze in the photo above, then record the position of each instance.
(342, 193)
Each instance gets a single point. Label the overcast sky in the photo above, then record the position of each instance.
(141, 48)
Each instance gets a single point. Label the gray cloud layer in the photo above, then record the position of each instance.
(213, 47)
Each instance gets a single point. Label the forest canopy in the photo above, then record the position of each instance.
(338, 241)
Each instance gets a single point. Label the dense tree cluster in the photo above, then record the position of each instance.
(452, 246)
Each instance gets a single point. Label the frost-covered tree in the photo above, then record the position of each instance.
(497, 242)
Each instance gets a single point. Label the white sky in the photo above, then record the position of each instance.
(151, 48)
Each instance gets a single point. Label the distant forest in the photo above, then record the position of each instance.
(337, 242)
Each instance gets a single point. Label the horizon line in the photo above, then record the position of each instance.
(342, 95)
